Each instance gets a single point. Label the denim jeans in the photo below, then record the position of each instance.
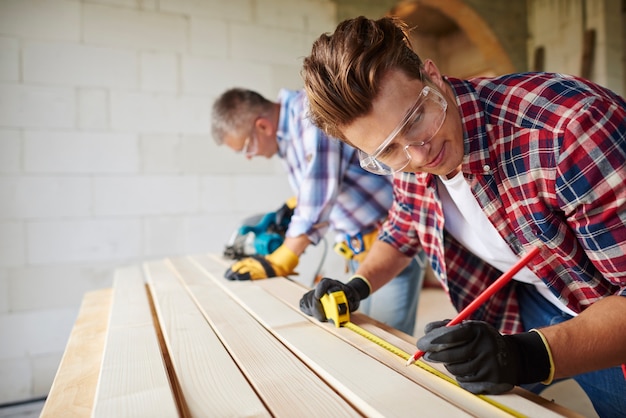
(395, 304)
(606, 388)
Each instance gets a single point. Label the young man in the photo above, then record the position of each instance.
(332, 191)
(485, 170)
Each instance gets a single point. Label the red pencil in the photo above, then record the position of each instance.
(487, 293)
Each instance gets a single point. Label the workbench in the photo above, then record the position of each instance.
(173, 338)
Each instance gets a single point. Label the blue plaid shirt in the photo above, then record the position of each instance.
(332, 188)
(545, 157)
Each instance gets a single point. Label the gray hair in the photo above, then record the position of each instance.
(235, 111)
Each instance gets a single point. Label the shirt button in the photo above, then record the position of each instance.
(486, 168)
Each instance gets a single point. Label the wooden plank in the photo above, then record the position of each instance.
(133, 379)
(517, 400)
(210, 382)
(286, 385)
(73, 390)
(374, 388)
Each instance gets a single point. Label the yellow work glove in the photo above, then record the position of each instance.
(281, 262)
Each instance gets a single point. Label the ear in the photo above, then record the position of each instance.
(264, 125)
(433, 73)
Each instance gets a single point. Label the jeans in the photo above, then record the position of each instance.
(606, 388)
(395, 304)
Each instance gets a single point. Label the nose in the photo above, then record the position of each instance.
(417, 152)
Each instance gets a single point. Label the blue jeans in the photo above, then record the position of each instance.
(606, 388)
(395, 304)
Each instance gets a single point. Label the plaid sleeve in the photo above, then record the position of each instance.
(590, 186)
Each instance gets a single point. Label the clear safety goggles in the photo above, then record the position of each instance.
(418, 126)
(250, 146)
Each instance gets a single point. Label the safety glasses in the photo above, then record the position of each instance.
(250, 145)
(417, 128)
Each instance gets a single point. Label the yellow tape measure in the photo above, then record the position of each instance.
(336, 308)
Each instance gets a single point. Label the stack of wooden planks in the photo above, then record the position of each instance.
(172, 338)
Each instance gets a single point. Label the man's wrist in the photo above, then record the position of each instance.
(535, 360)
(361, 285)
(550, 377)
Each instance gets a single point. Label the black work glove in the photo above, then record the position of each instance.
(483, 360)
(355, 290)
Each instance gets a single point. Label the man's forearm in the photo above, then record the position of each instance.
(594, 340)
(382, 263)
(297, 244)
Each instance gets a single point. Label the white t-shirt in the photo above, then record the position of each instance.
(468, 224)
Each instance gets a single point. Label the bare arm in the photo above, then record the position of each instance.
(594, 340)
(297, 244)
(383, 263)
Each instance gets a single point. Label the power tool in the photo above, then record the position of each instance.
(260, 234)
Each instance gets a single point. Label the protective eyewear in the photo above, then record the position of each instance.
(417, 128)
(250, 146)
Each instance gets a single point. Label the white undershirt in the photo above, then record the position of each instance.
(468, 224)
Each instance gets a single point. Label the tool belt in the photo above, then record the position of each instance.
(355, 247)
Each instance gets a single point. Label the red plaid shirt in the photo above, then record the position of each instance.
(545, 157)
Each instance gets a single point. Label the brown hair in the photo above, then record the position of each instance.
(343, 73)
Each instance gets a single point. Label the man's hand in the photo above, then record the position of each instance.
(281, 262)
(483, 360)
(355, 290)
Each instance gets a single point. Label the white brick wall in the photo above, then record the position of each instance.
(76, 241)
(75, 152)
(49, 20)
(106, 156)
(29, 106)
(78, 65)
(9, 59)
(44, 197)
(12, 244)
(136, 29)
(10, 151)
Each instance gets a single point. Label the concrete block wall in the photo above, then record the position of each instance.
(105, 152)
(559, 26)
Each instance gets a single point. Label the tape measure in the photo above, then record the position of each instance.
(336, 308)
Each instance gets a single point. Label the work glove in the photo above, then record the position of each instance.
(355, 290)
(281, 262)
(483, 360)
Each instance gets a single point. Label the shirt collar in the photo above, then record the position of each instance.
(285, 99)
(478, 158)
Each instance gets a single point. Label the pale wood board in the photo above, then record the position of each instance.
(286, 385)
(374, 388)
(518, 400)
(242, 349)
(210, 382)
(133, 378)
(74, 387)
(528, 404)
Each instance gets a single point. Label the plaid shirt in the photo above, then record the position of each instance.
(333, 190)
(545, 157)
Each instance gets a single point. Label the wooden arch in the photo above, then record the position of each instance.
(476, 29)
